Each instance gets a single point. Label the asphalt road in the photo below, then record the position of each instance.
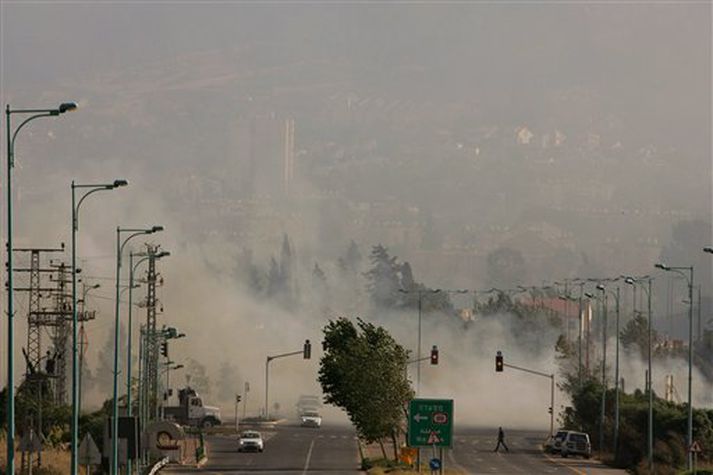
(332, 450)
(473, 453)
(289, 450)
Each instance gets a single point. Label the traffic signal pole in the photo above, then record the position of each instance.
(552, 391)
(306, 353)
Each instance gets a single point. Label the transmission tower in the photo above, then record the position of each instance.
(152, 340)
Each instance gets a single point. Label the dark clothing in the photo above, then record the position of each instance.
(501, 441)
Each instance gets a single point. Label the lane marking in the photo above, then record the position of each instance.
(309, 456)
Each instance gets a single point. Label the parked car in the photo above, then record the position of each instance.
(250, 441)
(554, 443)
(310, 419)
(576, 443)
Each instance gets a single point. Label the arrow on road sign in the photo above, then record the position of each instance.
(433, 438)
(419, 418)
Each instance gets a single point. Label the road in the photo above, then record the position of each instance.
(473, 453)
(332, 450)
(289, 450)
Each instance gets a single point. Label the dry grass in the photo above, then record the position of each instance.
(54, 461)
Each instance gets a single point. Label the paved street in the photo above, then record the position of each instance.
(473, 453)
(288, 450)
(333, 450)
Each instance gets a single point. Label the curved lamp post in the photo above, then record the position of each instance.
(88, 190)
(11, 137)
(633, 281)
(616, 369)
(133, 232)
(681, 270)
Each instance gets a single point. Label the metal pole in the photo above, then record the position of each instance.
(689, 438)
(75, 319)
(10, 387)
(602, 416)
(579, 343)
(552, 406)
(267, 387)
(418, 349)
(115, 401)
(128, 353)
(140, 382)
(651, 392)
(616, 376)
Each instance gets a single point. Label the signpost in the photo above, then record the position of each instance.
(695, 449)
(430, 424)
(88, 452)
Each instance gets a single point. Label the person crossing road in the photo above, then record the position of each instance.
(501, 440)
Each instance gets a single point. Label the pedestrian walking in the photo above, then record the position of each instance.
(501, 440)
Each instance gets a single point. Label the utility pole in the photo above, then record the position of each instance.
(35, 322)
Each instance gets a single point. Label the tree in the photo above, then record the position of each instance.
(363, 371)
(635, 335)
(383, 280)
(353, 257)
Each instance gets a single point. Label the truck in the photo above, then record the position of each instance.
(191, 411)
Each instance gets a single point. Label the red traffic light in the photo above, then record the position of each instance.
(434, 355)
(499, 362)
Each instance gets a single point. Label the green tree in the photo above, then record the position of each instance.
(362, 371)
(383, 280)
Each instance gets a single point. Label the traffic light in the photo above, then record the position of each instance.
(434, 355)
(499, 362)
(164, 349)
(237, 398)
(307, 350)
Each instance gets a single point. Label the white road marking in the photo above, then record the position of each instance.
(309, 456)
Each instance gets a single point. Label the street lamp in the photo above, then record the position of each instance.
(689, 278)
(133, 232)
(616, 296)
(89, 189)
(11, 136)
(633, 282)
(420, 293)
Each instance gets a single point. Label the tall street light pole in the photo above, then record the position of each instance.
(601, 304)
(420, 293)
(681, 270)
(115, 401)
(11, 136)
(88, 190)
(631, 281)
(616, 296)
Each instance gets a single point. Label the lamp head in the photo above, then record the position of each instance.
(629, 281)
(708, 249)
(662, 266)
(163, 254)
(600, 287)
(66, 107)
(589, 295)
(156, 229)
(118, 183)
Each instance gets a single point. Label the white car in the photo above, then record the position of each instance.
(250, 441)
(310, 419)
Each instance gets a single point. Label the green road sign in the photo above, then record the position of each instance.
(430, 423)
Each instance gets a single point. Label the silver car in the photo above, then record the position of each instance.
(250, 441)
